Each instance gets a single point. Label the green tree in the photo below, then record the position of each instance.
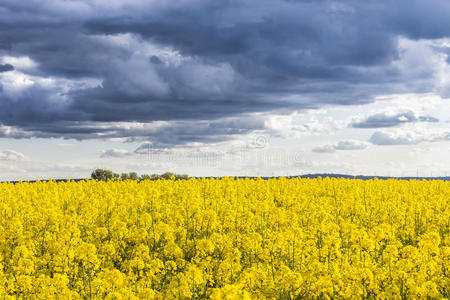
(145, 177)
(133, 176)
(105, 175)
(167, 175)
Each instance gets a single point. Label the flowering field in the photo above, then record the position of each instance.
(233, 239)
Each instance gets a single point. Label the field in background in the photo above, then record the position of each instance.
(245, 238)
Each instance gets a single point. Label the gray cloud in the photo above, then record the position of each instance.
(382, 120)
(193, 62)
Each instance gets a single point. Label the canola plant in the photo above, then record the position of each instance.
(225, 239)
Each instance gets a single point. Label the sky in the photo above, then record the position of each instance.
(223, 88)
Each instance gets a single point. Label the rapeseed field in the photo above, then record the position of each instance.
(225, 239)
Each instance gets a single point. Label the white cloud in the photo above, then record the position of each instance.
(19, 63)
(409, 137)
(351, 145)
(342, 145)
(11, 155)
(114, 152)
(325, 149)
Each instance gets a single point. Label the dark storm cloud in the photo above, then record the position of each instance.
(382, 120)
(196, 61)
(163, 134)
(419, 19)
(6, 68)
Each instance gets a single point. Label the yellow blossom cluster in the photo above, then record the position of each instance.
(225, 239)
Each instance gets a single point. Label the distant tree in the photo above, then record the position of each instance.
(167, 175)
(105, 175)
(170, 175)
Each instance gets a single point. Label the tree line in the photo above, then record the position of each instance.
(105, 175)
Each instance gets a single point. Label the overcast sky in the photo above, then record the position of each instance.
(248, 87)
